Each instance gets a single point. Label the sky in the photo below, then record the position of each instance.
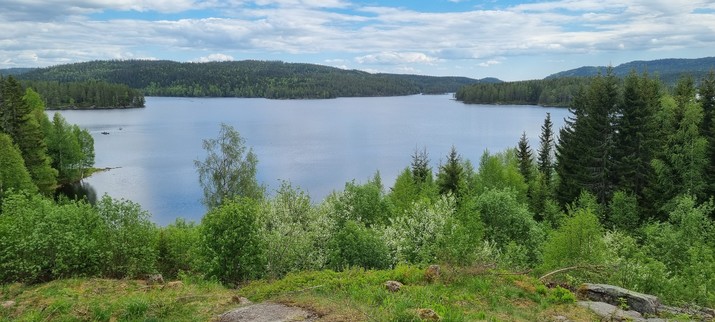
(507, 39)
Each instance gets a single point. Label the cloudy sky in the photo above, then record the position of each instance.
(509, 39)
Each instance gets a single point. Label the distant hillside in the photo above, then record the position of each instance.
(250, 78)
(14, 71)
(668, 70)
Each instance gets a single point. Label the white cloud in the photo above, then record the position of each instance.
(489, 63)
(377, 36)
(215, 57)
(392, 58)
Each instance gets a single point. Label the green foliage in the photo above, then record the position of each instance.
(623, 211)
(178, 249)
(18, 121)
(295, 235)
(71, 149)
(403, 193)
(41, 241)
(506, 220)
(357, 245)
(364, 203)
(13, 174)
(500, 171)
(560, 295)
(129, 240)
(229, 169)
(428, 233)
(232, 245)
(578, 241)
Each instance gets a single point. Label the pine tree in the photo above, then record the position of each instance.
(524, 157)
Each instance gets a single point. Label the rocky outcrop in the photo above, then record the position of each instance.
(393, 286)
(609, 312)
(618, 296)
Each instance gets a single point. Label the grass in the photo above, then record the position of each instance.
(459, 294)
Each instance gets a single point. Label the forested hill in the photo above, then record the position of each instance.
(250, 78)
(668, 70)
(559, 89)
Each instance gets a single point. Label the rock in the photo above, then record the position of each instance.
(428, 314)
(393, 286)
(267, 312)
(155, 279)
(240, 300)
(614, 295)
(432, 273)
(175, 284)
(700, 313)
(560, 318)
(610, 312)
(8, 304)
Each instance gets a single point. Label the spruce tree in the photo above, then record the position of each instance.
(544, 162)
(524, 157)
(449, 178)
(420, 166)
(636, 136)
(706, 93)
(19, 122)
(587, 146)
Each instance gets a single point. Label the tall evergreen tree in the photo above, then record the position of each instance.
(420, 166)
(13, 174)
(19, 122)
(524, 157)
(706, 93)
(636, 136)
(586, 152)
(449, 177)
(545, 162)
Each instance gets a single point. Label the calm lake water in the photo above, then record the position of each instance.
(318, 145)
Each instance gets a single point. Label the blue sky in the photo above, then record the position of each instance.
(508, 39)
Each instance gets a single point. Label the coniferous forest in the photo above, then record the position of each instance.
(623, 194)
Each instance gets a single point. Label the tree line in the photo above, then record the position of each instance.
(623, 192)
(250, 78)
(89, 94)
(38, 154)
(548, 92)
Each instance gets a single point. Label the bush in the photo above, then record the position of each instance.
(232, 246)
(505, 220)
(420, 235)
(178, 249)
(129, 239)
(578, 241)
(41, 241)
(357, 245)
(294, 233)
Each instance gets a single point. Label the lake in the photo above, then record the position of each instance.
(318, 145)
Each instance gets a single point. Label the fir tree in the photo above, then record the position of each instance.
(706, 93)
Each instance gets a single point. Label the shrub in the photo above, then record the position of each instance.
(129, 238)
(357, 245)
(505, 220)
(41, 241)
(178, 249)
(294, 233)
(232, 246)
(578, 241)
